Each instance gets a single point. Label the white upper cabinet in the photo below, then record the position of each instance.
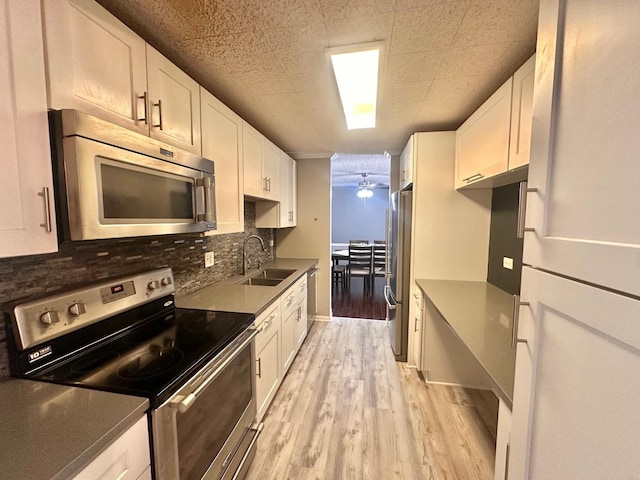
(482, 142)
(271, 169)
(283, 213)
(27, 226)
(585, 150)
(96, 64)
(522, 114)
(222, 143)
(406, 164)
(174, 103)
(254, 181)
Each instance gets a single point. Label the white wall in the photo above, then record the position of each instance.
(357, 218)
(312, 236)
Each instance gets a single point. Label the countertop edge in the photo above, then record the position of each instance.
(95, 449)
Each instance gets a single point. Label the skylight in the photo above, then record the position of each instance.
(356, 71)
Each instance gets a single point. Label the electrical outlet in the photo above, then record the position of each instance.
(507, 263)
(209, 259)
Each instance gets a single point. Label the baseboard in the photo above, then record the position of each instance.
(322, 318)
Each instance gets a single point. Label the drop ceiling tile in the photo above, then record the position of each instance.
(423, 29)
(474, 60)
(498, 21)
(403, 93)
(342, 9)
(411, 4)
(414, 67)
(360, 29)
(267, 81)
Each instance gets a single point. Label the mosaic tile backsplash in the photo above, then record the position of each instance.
(80, 263)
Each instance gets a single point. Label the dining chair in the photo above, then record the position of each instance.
(358, 242)
(359, 265)
(378, 261)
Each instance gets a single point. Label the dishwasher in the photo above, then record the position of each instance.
(312, 295)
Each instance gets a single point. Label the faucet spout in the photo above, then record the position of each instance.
(244, 251)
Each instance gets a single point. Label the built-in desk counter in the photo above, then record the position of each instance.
(481, 316)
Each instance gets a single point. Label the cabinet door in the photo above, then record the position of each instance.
(521, 114)
(125, 459)
(271, 158)
(287, 191)
(503, 445)
(417, 330)
(293, 192)
(482, 142)
(95, 63)
(174, 103)
(577, 384)
(301, 322)
(585, 147)
(25, 182)
(406, 164)
(267, 368)
(288, 339)
(254, 180)
(222, 143)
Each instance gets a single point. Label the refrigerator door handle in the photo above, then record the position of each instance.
(387, 293)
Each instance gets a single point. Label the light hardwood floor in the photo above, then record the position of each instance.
(347, 411)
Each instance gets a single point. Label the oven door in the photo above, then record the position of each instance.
(197, 432)
(112, 192)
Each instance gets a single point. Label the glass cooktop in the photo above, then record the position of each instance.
(154, 358)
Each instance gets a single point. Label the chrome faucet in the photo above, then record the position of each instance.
(245, 266)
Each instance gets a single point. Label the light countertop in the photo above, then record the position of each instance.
(228, 296)
(51, 432)
(481, 315)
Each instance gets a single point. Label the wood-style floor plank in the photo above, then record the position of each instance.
(348, 411)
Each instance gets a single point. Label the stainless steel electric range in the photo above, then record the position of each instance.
(196, 367)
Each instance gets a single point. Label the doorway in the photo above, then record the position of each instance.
(359, 202)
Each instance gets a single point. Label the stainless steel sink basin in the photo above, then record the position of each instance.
(269, 282)
(273, 273)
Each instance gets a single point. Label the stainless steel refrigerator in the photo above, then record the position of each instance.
(396, 291)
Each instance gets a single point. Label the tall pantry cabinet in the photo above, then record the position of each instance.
(27, 222)
(577, 385)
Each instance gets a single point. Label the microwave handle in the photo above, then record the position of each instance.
(207, 184)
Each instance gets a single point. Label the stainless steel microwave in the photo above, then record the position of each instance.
(111, 182)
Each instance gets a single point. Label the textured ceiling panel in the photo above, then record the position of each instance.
(266, 59)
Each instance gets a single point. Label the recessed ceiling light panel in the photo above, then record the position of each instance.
(356, 71)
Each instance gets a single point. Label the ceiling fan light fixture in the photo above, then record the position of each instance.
(356, 71)
(364, 193)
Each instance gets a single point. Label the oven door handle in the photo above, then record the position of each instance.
(183, 402)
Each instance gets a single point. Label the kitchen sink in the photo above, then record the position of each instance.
(275, 273)
(269, 282)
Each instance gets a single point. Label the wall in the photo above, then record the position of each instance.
(357, 218)
(503, 241)
(312, 236)
(83, 262)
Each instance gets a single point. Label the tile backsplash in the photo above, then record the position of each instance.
(80, 263)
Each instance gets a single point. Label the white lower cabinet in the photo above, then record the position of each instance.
(283, 328)
(503, 441)
(268, 370)
(125, 459)
(417, 329)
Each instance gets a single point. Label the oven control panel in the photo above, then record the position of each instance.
(50, 317)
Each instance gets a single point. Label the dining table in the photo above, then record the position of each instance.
(339, 255)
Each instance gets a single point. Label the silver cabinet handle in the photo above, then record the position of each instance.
(268, 184)
(506, 462)
(259, 373)
(47, 209)
(516, 321)
(522, 209)
(144, 98)
(477, 176)
(159, 105)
